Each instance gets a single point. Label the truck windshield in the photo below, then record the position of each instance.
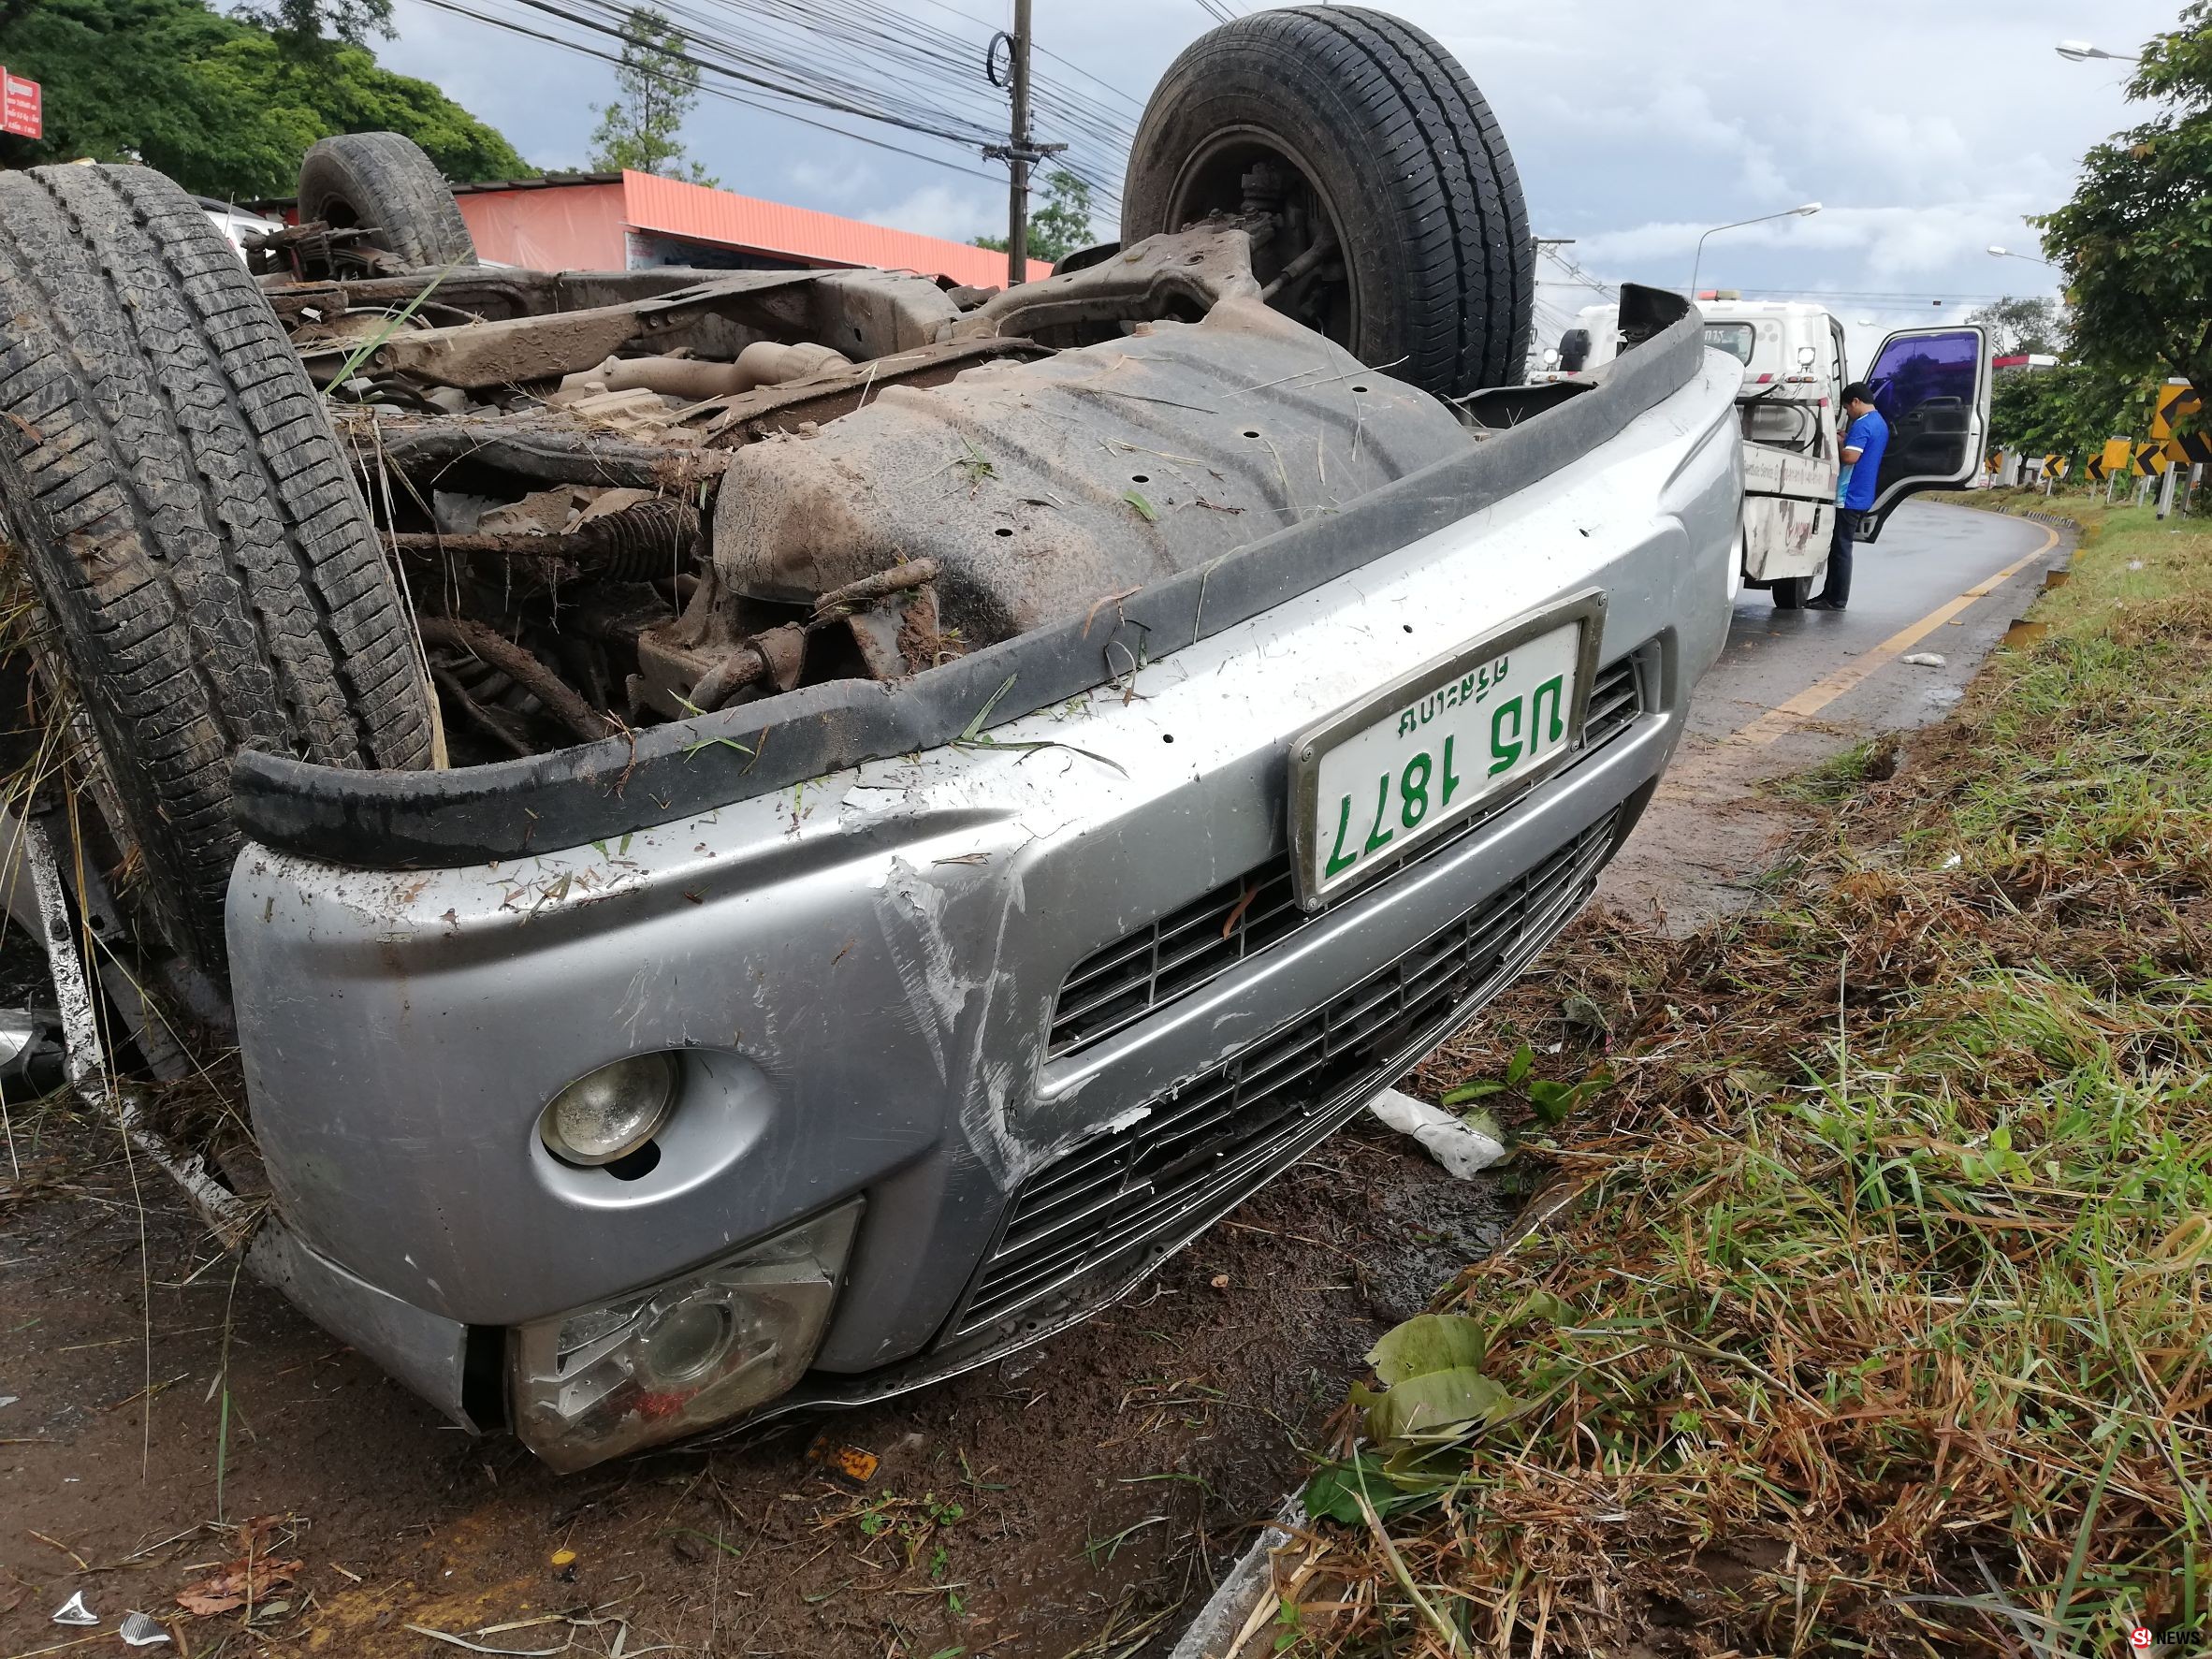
(1733, 338)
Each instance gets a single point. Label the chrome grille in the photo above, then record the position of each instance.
(1162, 960)
(1199, 1150)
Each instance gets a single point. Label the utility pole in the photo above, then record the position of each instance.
(1019, 153)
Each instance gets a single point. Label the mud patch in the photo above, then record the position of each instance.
(1091, 1489)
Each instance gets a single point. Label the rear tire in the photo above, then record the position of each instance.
(1790, 592)
(1380, 138)
(383, 183)
(207, 572)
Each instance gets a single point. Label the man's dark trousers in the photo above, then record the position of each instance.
(1837, 589)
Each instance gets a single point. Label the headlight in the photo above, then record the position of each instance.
(609, 1114)
(661, 1363)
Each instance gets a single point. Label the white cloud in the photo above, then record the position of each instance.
(940, 210)
(1928, 131)
(826, 184)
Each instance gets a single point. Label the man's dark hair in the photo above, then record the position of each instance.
(1858, 391)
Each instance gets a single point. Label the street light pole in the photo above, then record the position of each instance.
(1998, 253)
(1805, 211)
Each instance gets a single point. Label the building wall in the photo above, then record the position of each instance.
(550, 227)
(595, 224)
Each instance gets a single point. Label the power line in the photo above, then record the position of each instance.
(916, 69)
(1576, 272)
(889, 68)
(1133, 102)
(578, 48)
(1925, 297)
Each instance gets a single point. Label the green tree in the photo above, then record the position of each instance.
(308, 28)
(1061, 226)
(657, 86)
(217, 102)
(2032, 325)
(2070, 410)
(2136, 240)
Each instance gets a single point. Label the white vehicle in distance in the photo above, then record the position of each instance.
(236, 224)
(1931, 385)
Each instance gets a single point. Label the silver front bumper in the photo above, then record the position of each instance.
(863, 974)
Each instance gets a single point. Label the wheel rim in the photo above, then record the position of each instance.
(1306, 266)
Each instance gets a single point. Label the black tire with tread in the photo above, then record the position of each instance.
(168, 475)
(1410, 157)
(385, 181)
(1790, 592)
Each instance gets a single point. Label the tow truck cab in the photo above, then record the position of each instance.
(1931, 385)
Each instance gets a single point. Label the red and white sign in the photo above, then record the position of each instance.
(22, 106)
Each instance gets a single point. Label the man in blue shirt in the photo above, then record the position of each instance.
(1863, 446)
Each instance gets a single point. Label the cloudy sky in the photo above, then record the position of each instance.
(1925, 131)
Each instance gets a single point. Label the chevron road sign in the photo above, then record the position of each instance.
(2179, 404)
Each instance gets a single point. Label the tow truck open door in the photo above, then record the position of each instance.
(1932, 386)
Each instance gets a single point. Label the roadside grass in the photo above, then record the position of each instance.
(1872, 760)
(1877, 1315)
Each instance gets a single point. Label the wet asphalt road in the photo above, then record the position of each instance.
(1792, 688)
(1928, 554)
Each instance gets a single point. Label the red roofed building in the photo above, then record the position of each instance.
(633, 221)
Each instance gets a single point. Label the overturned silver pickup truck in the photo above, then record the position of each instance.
(768, 836)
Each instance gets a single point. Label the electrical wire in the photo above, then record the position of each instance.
(890, 69)
(1576, 272)
(723, 94)
(1929, 298)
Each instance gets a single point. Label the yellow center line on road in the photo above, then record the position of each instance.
(1786, 717)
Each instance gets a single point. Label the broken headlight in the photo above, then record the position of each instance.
(659, 1363)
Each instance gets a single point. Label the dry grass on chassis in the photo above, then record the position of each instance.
(1882, 1324)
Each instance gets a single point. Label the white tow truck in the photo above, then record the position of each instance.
(1931, 384)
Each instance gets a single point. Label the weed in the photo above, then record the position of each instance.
(1886, 1323)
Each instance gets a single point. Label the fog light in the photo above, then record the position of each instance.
(609, 1114)
(661, 1363)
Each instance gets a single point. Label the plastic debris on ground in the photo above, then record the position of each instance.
(852, 1465)
(1463, 1145)
(1922, 660)
(140, 1631)
(74, 1611)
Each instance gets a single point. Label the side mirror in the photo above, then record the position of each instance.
(1574, 350)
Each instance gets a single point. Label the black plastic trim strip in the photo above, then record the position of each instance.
(542, 803)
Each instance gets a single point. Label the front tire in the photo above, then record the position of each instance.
(1790, 592)
(1383, 170)
(205, 567)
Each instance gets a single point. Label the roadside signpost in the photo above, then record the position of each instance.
(22, 105)
(2179, 402)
